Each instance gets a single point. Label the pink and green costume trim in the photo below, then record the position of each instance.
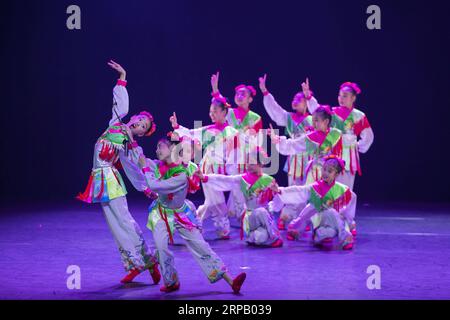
(225, 136)
(318, 145)
(106, 183)
(297, 125)
(242, 120)
(254, 186)
(184, 215)
(324, 196)
(350, 121)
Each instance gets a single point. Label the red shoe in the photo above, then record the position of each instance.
(237, 282)
(290, 237)
(278, 243)
(308, 228)
(171, 288)
(353, 232)
(327, 240)
(281, 225)
(154, 272)
(224, 238)
(130, 276)
(348, 246)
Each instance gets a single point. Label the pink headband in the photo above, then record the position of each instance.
(353, 86)
(222, 100)
(303, 95)
(249, 88)
(326, 108)
(339, 160)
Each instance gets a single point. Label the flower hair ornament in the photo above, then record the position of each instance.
(339, 160)
(352, 86)
(221, 99)
(249, 88)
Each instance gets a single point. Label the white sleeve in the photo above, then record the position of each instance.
(166, 186)
(294, 195)
(221, 182)
(366, 140)
(275, 111)
(133, 172)
(312, 104)
(190, 133)
(120, 103)
(291, 146)
(349, 211)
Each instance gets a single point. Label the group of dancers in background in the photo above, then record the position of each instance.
(322, 145)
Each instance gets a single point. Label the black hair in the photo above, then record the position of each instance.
(323, 113)
(169, 141)
(335, 163)
(221, 103)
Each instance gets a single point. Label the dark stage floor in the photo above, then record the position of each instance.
(410, 245)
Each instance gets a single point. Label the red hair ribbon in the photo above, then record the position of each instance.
(249, 88)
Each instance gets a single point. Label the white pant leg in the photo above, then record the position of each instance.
(263, 230)
(127, 234)
(346, 178)
(210, 263)
(332, 225)
(216, 208)
(164, 255)
(236, 203)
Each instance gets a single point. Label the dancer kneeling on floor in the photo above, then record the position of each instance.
(331, 206)
(256, 221)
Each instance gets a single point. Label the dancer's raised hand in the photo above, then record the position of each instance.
(262, 83)
(305, 88)
(118, 68)
(215, 82)
(173, 121)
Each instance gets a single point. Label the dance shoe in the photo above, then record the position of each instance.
(130, 276)
(171, 288)
(348, 246)
(237, 282)
(278, 243)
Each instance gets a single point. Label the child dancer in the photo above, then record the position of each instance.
(219, 142)
(256, 221)
(106, 186)
(248, 123)
(297, 123)
(331, 205)
(170, 179)
(354, 125)
(319, 143)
